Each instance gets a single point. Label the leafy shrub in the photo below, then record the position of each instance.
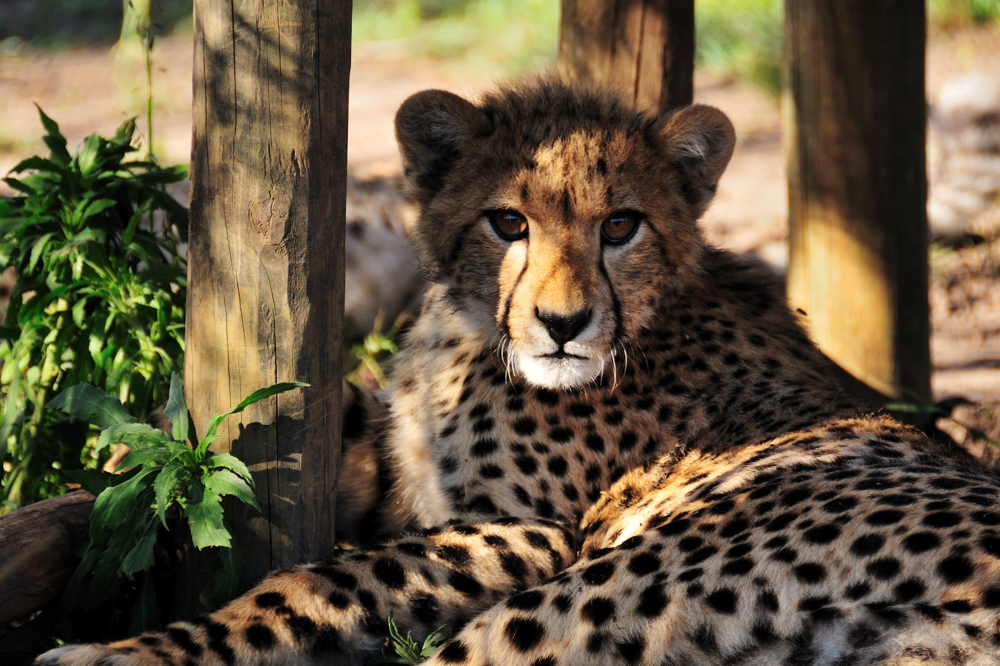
(406, 649)
(164, 483)
(99, 298)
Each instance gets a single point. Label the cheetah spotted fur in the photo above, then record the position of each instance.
(609, 443)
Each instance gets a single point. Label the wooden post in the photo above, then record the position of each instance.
(855, 123)
(643, 47)
(266, 275)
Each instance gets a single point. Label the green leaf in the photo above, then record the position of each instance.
(149, 455)
(434, 640)
(205, 520)
(230, 462)
(114, 506)
(140, 557)
(226, 579)
(134, 435)
(38, 164)
(55, 141)
(167, 482)
(96, 207)
(256, 396)
(89, 404)
(88, 153)
(37, 250)
(223, 482)
(176, 410)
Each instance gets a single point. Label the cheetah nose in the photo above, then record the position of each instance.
(563, 329)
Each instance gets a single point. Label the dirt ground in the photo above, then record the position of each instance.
(78, 89)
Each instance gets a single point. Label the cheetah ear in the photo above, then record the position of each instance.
(699, 140)
(431, 127)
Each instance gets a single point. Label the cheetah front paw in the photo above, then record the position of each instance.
(86, 655)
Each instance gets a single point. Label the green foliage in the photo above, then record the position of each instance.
(164, 482)
(407, 650)
(100, 295)
(742, 39)
(956, 13)
(376, 348)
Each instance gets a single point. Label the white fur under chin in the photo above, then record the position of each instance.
(558, 373)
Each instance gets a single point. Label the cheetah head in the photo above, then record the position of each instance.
(559, 217)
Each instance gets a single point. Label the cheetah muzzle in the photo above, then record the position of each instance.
(607, 441)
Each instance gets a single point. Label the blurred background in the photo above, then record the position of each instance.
(84, 66)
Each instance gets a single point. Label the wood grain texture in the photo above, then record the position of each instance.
(645, 48)
(854, 118)
(37, 545)
(266, 267)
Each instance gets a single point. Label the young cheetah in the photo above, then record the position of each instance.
(607, 442)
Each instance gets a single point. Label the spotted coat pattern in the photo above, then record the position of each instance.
(708, 497)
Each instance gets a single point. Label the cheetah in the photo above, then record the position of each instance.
(608, 442)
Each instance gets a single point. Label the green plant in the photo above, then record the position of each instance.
(376, 348)
(407, 650)
(99, 298)
(165, 483)
(741, 38)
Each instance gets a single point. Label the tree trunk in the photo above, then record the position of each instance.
(36, 551)
(645, 48)
(855, 124)
(266, 273)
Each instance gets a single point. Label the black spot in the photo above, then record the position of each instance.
(465, 584)
(920, 542)
(643, 564)
(734, 527)
(598, 574)
(738, 567)
(788, 555)
(986, 517)
(514, 565)
(885, 568)
(768, 600)
(151, 641)
(260, 637)
(529, 600)
(217, 634)
(527, 464)
(390, 573)
(990, 543)
(412, 548)
(537, 540)
(840, 504)
(525, 426)
(560, 435)
(454, 652)
(687, 544)
(628, 441)
(884, 517)
(425, 608)
(269, 600)
(302, 627)
(991, 598)
(909, 590)
(674, 527)
(483, 447)
(941, 519)
(955, 569)
(810, 572)
(182, 638)
(454, 555)
(524, 633)
(652, 601)
(722, 601)
(631, 651)
(957, 606)
(341, 579)
(795, 496)
(339, 600)
(858, 591)
(867, 545)
(700, 555)
(557, 465)
(490, 472)
(822, 533)
(597, 610)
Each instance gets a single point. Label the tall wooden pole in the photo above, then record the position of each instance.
(266, 276)
(645, 48)
(855, 124)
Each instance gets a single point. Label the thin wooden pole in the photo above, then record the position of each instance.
(855, 124)
(266, 276)
(645, 48)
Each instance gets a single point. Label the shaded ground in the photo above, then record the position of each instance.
(77, 89)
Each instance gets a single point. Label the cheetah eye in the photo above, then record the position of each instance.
(509, 224)
(620, 226)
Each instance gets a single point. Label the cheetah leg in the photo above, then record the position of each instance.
(364, 479)
(335, 611)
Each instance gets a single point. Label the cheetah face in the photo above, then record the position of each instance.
(558, 217)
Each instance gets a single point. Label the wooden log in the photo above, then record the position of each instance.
(645, 48)
(265, 304)
(36, 551)
(854, 120)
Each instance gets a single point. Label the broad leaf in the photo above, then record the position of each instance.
(151, 454)
(140, 557)
(224, 482)
(167, 482)
(227, 578)
(94, 481)
(205, 520)
(86, 403)
(256, 396)
(133, 435)
(176, 410)
(230, 462)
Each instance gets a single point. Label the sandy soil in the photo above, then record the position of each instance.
(79, 91)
